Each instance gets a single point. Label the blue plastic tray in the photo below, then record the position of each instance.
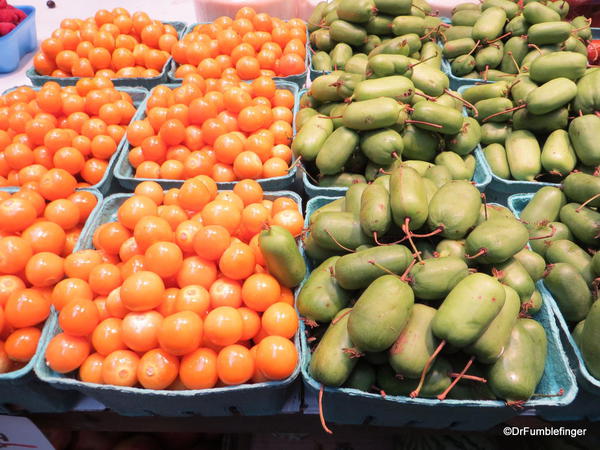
(248, 399)
(138, 95)
(586, 380)
(299, 79)
(146, 83)
(21, 388)
(21, 40)
(351, 406)
(482, 176)
(125, 175)
(509, 186)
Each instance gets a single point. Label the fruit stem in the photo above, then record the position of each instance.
(591, 199)
(439, 348)
(443, 395)
(468, 377)
(434, 125)
(406, 229)
(466, 103)
(321, 415)
(499, 113)
(481, 252)
(339, 245)
(552, 233)
(500, 37)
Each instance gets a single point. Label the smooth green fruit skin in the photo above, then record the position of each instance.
(419, 143)
(409, 354)
(489, 57)
(354, 271)
(489, 24)
(336, 150)
(349, 33)
(434, 278)
(282, 255)
(534, 304)
(357, 64)
(480, 92)
(317, 253)
(343, 226)
(580, 187)
(513, 376)
(371, 114)
(511, 8)
(394, 7)
(551, 232)
(408, 198)
(521, 90)
(324, 88)
(535, 12)
(455, 164)
(336, 205)
(448, 120)
(458, 47)
(341, 180)
(451, 247)
(439, 175)
(565, 251)
(469, 137)
(321, 61)
(380, 145)
(551, 95)
(397, 87)
(375, 213)
(329, 364)
(491, 106)
(495, 155)
(549, 33)
(584, 223)
(469, 308)
(515, 51)
(458, 32)
(524, 155)
(356, 11)
(465, 18)
(584, 132)
(321, 297)
(544, 206)
(537, 333)
(588, 93)
(578, 331)
(569, 65)
(495, 133)
(570, 291)
(490, 345)
(455, 207)
(590, 340)
(311, 137)
(380, 314)
(501, 238)
(513, 274)
(558, 154)
(543, 124)
(430, 80)
(402, 25)
(463, 65)
(353, 198)
(362, 377)
(596, 264)
(533, 263)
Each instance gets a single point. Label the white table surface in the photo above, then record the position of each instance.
(47, 20)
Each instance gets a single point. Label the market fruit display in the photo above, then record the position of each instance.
(113, 44)
(250, 44)
(186, 289)
(226, 129)
(39, 229)
(10, 17)
(570, 250)
(344, 33)
(498, 39)
(355, 129)
(535, 129)
(76, 129)
(417, 285)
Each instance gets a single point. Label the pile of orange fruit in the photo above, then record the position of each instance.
(76, 129)
(113, 44)
(252, 44)
(226, 129)
(38, 229)
(176, 295)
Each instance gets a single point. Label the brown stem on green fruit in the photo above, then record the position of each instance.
(443, 395)
(406, 229)
(589, 200)
(466, 103)
(408, 269)
(438, 230)
(436, 352)
(481, 252)
(340, 317)
(349, 250)
(504, 112)
(468, 377)
(474, 48)
(434, 125)
(549, 235)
